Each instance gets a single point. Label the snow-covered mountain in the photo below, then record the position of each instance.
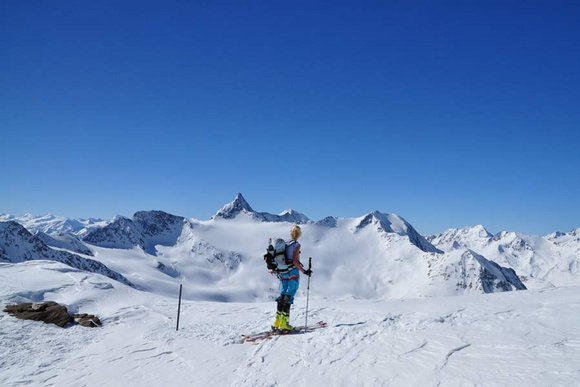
(569, 239)
(64, 241)
(552, 260)
(457, 238)
(472, 273)
(377, 255)
(121, 233)
(239, 206)
(146, 230)
(18, 245)
(51, 224)
(329, 221)
(392, 223)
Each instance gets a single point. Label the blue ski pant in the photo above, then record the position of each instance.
(289, 283)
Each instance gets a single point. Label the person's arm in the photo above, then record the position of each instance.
(296, 262)
(296, 259)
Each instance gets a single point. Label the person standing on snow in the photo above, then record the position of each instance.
(289, 282)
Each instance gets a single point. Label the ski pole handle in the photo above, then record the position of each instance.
(309, 263)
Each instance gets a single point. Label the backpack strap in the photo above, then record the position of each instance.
(289, 260)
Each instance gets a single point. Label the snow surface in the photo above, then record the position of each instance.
(527, 338)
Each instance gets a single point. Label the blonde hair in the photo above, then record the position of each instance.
(295, 232)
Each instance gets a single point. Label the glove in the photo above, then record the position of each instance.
(308, 272)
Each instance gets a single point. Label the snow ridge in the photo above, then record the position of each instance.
(494, 276)
(64, 241)
(392, 223)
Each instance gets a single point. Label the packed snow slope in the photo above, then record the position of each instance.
(528, 338)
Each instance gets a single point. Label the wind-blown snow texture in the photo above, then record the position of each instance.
(506, 339)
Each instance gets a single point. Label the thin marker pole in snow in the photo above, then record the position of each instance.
(308, 294)
(179, 306)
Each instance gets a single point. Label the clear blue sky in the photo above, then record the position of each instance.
(448, 113)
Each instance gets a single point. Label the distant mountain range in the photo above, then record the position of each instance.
(375, 255)
(51, 224)
(552, 260)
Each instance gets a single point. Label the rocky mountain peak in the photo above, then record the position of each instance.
(392, 223)
(232, 209)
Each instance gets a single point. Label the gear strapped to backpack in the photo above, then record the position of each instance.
(276, 258)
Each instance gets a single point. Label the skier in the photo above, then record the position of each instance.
(289, 282)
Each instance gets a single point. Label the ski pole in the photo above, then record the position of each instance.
(308, 294)
(179, 307)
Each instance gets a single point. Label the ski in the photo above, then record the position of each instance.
(256, 338)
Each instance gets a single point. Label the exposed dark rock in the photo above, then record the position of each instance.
(87, 320)
(49, 312)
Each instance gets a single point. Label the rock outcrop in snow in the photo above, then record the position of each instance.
(48, 312)
(19, 245)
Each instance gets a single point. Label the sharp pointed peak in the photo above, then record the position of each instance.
(240, 198)
(233, 208)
